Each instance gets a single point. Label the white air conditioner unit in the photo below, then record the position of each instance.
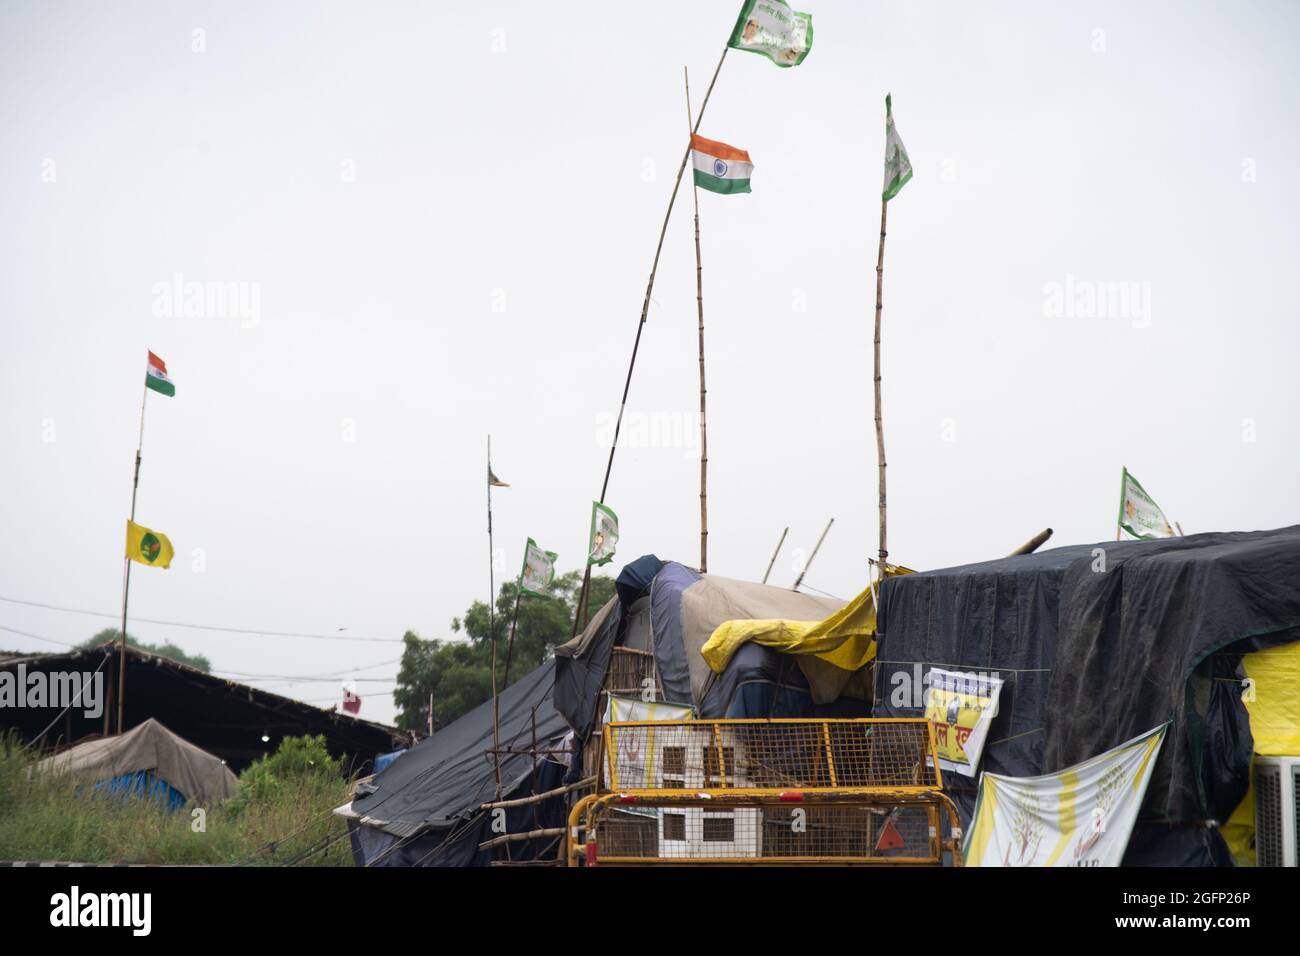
(1277, 811)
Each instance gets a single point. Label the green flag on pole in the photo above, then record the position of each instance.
(898, 168)
(1139, 514)
(604, 534)
(538, 572)
(771, 28)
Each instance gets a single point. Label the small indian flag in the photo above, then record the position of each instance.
(156, 377)
(720, 168)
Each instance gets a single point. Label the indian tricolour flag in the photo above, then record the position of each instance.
(156, 377)
(720, 168)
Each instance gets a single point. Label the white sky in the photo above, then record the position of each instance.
(484, 269)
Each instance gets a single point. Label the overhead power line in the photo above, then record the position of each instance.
(257, 632)
(247, 676)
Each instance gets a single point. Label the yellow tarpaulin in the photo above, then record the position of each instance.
(845, 639)
(1274, 723)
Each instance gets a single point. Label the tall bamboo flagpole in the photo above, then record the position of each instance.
(883, 554)
(699, 304)
(126, 578)
(898, 171)
(645, 310)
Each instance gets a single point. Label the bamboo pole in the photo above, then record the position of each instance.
(883, 554)
(774, 554)
(519, 837)
(812, 556)
(645, 310)
(539, 797)
(1033, 544)
(699, 305)
(126, 580)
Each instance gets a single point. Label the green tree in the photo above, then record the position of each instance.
(457, 674)
(166, 649)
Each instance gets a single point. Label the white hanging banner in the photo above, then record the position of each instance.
(1080, 816)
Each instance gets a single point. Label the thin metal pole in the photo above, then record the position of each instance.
(126, 580)
(774, 554)
(492, 628)
(813, 556)
(699, 304)
(645, 310)
(880, 425)
(510, 646)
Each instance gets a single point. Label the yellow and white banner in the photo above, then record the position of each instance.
(638, 753)
(961, 705)
(1080, 816)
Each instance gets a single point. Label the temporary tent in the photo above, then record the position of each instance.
(151, 761)
(687, 607)
(1097, 644)
(237, 722)
(424, 809)
(765, 641)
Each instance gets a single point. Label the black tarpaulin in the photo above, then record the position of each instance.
(1098, 643)
(443, 780)
(1141, 638)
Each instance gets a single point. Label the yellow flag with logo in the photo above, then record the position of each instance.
(148, 546)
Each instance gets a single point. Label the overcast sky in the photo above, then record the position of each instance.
(442, 217)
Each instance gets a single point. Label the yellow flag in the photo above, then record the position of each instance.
(148, 547)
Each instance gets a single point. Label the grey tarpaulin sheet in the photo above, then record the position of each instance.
(199, 775)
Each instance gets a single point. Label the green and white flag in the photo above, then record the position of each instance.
(604, 534)
(898, 168)
(538, 572)
(1139, 514)
(771, 28)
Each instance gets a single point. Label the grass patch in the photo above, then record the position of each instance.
(281, 812)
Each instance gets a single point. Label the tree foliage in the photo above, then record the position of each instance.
(166, 649)
(456, 674)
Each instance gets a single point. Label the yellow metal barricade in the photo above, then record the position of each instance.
(766, 792)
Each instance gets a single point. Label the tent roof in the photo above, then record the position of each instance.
(220, 715)
(447, 776)
(200, 776)
(1101, 642)
(687, 607)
